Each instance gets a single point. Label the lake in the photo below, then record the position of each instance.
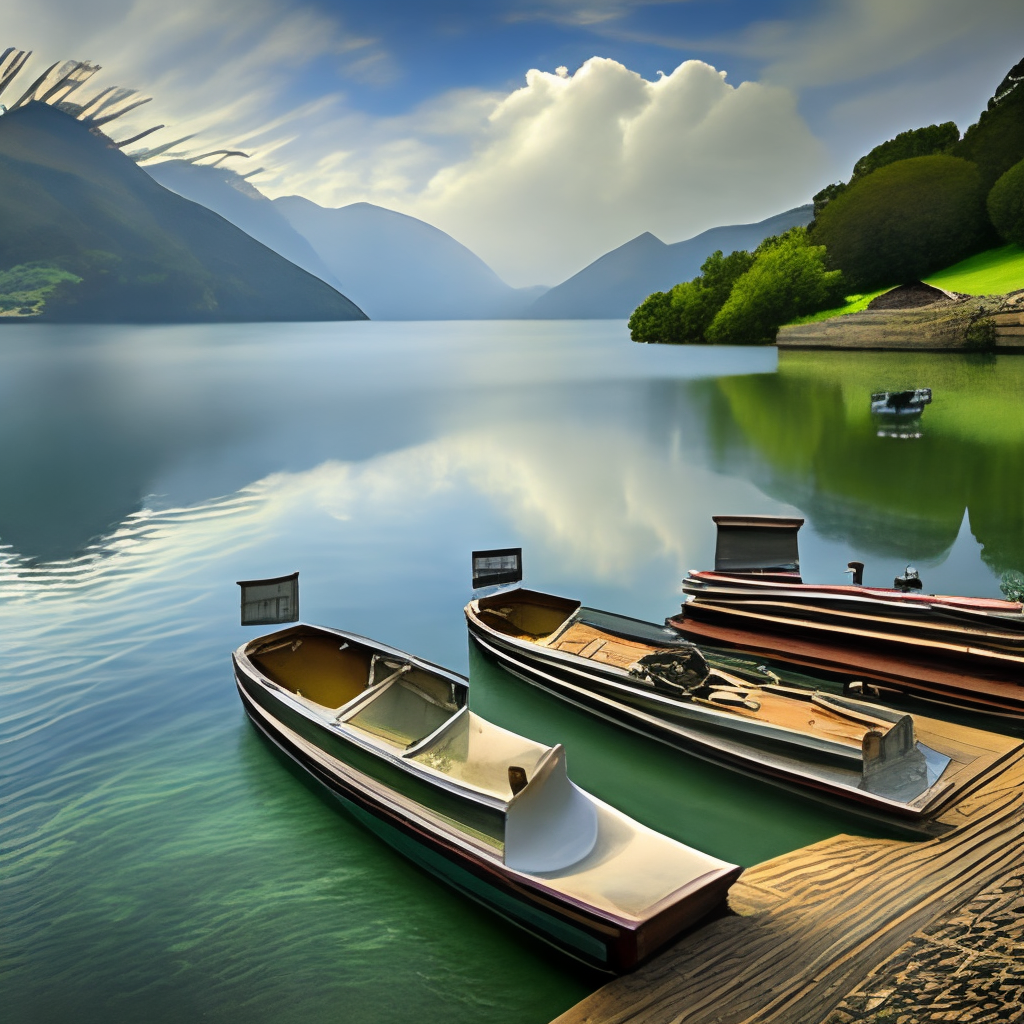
(159, 861)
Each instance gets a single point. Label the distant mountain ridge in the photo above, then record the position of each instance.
(143, 254)
(396, 267)
(230, 195)
(615, 284)
(399, 268)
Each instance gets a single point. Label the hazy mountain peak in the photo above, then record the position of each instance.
(616, 283)
(68, 197)
(401, 268)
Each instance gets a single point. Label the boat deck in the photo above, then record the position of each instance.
(853, 929)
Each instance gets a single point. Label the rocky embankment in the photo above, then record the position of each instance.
(951, 322)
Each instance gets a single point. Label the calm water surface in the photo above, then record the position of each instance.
(159, 861)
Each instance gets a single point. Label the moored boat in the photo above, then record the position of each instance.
(901, 404)
(889, 765)
(960, 650)
(492, 813)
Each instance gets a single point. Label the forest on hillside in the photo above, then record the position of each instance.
(914, 205)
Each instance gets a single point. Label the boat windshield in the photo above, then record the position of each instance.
(409, 708)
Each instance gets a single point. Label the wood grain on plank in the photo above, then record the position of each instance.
(817, 922)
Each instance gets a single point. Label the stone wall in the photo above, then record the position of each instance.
(979, 323)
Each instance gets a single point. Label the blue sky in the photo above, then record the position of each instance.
(456, 112)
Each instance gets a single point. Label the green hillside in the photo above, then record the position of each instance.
(994, 272)
(88, 236)
(924, 205)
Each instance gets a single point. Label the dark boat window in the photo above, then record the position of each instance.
(497, 566)
(267, 602)
(757, 544)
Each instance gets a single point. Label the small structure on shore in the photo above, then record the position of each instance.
(919, 316)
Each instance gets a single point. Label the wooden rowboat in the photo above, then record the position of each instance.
(489, 812)
(888, 765)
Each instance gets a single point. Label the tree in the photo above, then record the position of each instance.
(681, 316)
(650, 320)
(996, 142)
(905, 220)
(936, 138)
(1006, 204)
(788, 278)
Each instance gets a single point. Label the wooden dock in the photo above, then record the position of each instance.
(854, 929)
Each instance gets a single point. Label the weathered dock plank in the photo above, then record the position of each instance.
(832, 933)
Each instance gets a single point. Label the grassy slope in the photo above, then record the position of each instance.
(989, 273)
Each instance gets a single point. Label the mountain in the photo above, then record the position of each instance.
(614, 285)
(129, 249)
(399, 268)
(229, 194)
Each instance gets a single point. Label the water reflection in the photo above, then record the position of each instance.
(162, 864)
(806, 436)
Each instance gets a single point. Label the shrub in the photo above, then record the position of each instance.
(905, 220)
(650, 320)
(1006, 204)
(682, 315)
(789, 278)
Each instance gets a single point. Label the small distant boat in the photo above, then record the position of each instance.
(883, 763)
(901, 404)
(491, 813)
(967, 651)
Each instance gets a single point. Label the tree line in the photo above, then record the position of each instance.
(915, 204)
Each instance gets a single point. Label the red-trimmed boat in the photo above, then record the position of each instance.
(966, 651)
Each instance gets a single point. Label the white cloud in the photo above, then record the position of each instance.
(539, 181)
(567, 168)
(225, 70)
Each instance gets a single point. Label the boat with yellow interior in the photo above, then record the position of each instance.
(739, 712)
(492, 813)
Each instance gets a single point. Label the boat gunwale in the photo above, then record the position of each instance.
(803, 625)
(886, 595)
(948, 617)
(359, 737)
(621, 933)
(621, 678)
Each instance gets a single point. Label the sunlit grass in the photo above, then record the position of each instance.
(854, 304)
(993, 272)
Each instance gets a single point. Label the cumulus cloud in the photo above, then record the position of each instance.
(568, 167)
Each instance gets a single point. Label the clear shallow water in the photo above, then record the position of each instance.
(159, 861)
